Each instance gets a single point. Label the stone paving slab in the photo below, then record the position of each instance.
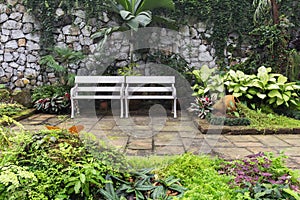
(142, 136)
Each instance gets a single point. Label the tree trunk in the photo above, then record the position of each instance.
(275, 12)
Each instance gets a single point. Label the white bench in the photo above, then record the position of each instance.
(161, 84)
(101, 85)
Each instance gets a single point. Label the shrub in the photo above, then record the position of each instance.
(52, 98)
(56, 165)
(263, 176)
(199, 175)
(263, 87)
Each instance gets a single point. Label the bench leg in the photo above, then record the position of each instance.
(72, 108)
(126, 108)
(122, 108)
(175, 114)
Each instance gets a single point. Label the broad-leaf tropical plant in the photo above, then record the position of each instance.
(134, 13)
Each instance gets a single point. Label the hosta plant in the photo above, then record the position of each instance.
(208, 82)
(268, 87)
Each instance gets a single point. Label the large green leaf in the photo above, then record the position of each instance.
(249, 96)
(205, 73)
(133, 24)
(263, 75)
(153, 4)
(279, 101)
(285, 97)
(275, 93)
(237, 94)
(273, 87)
(282, 79)
(252, 91)
(261, 96)
(144, 18)
(126, 15)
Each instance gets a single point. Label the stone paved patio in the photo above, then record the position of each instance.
(142, 135)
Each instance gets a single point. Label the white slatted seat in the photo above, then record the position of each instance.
(97, 87)
(136, 88)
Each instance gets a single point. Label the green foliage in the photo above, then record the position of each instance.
(56, 105)
(199, 175)
(142, 184)
(129, 70)
(55, 165)
(265, 86)
(201, 107)
(217, 120)
(208, 83)
(138, 13)
(4, 95)
(10, 109)
(51, 98)
(48, 91)
(260, 120)
(59, 61)
(45, 11)
(174, 61)
(263, 176)
(293, 70)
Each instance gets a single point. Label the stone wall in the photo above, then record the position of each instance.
(19, 49)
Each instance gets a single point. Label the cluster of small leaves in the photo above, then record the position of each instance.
(10, 109)
(55, 165)
(54, 105)
(51, 98)
(201, 107)
(142, 185)
(263, 176)
(200, 176)
(238, 121)
(48, 91)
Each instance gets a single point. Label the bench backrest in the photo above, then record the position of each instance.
(150, 79)
(99, 79)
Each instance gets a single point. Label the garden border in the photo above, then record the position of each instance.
(204, 126)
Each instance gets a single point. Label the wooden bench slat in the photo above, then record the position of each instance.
(99, 89)
(150, 97)
(99, 79)
(98, 97)
(150, 79)
(150, 89)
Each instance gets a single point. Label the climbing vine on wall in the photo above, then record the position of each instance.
(224, 16)
(228, 16)
(45, 12)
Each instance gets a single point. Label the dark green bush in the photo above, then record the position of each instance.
(56, 165)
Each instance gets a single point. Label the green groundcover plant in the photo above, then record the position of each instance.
(10, 109)
(63, 165)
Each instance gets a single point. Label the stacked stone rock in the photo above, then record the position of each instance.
(19, 48)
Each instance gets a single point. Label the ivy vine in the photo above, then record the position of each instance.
(224, 16)
(228, 16)
(45, 12)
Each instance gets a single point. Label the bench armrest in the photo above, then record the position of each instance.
(174, 94)
(73, 91)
